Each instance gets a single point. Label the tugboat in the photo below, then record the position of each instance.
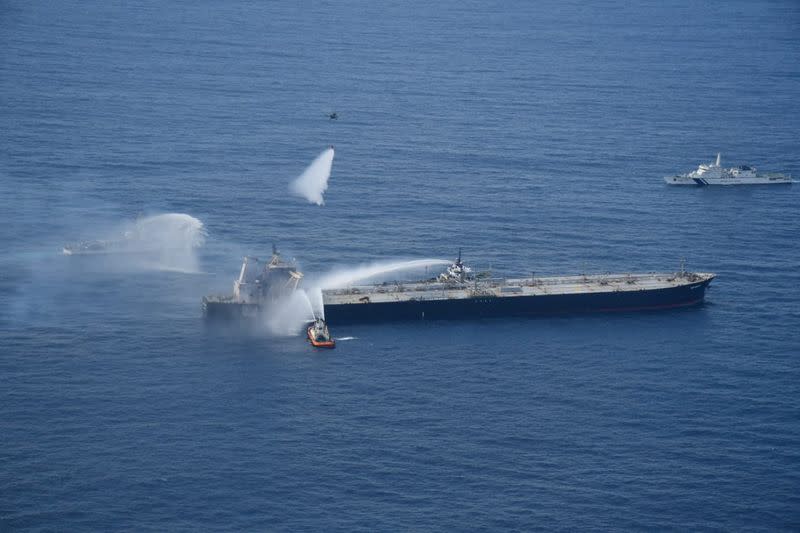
(319, 336)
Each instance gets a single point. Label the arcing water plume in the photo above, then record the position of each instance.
(171, 230)
(308, 302)
(159, 242)
(316, 302)
(344, 278)
(287, 317)
(167, 242)
(314, 179)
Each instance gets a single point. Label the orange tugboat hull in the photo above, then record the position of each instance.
(319, 344)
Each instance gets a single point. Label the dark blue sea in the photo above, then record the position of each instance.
(534, 135)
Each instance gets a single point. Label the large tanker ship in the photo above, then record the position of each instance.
(457, 293)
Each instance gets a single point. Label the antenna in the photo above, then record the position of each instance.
(718, 158)
(458, 261)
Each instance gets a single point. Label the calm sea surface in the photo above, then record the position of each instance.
(533, 134)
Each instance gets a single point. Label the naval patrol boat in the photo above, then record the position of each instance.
(715, 174)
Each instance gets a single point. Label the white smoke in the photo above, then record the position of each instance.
(314, 179)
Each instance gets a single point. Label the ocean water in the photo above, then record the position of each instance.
(534, 135)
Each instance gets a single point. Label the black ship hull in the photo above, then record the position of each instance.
(229, 310)
(499, 306)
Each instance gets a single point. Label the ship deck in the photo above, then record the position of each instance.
(537, 286)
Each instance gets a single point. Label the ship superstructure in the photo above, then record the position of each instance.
(715, 174)
(259, 285)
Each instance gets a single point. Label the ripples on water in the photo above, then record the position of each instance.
(533, 136)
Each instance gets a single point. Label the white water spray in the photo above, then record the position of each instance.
(316, 302)
(310, 307)
(343, 278)
(171, 230)
(314, 179)
(167, 242)
(287, 317)
(158, 242)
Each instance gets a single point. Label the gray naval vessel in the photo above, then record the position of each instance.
(458, 293)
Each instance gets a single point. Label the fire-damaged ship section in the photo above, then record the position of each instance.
(259, 285)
